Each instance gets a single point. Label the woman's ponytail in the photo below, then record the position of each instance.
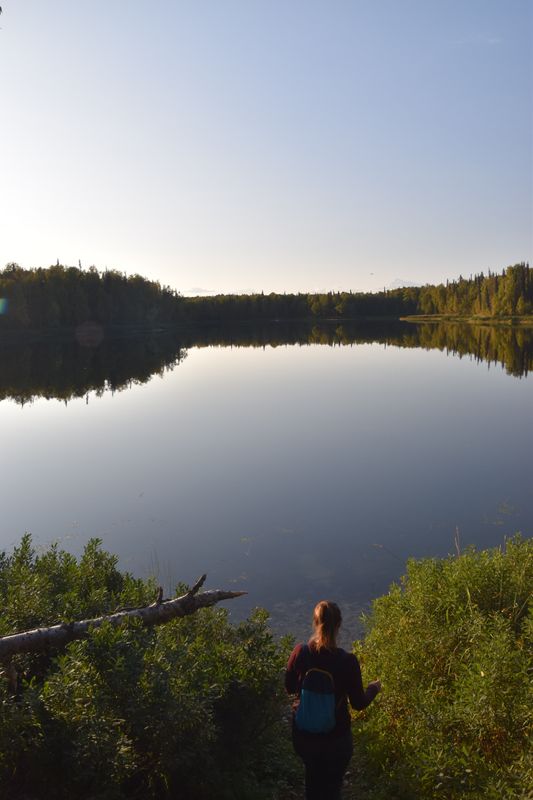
(326, 621)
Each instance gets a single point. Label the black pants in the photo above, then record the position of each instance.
(325, 760)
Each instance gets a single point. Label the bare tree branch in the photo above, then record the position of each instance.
(55, 636)
(198, 585)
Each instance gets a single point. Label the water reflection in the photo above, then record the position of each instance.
(68, 369)
(65, 370)
(512, 347)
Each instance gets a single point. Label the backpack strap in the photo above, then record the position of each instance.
(307, 654)
(308, 665)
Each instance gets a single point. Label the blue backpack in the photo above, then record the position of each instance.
(316, 710)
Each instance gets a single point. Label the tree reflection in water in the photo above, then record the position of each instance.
(98, 361)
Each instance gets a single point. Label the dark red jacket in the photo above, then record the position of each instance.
(344, 667)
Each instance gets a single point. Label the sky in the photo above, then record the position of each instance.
(267, 145)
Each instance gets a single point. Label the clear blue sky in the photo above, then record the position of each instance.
(276, 145)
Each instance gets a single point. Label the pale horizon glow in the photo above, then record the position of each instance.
(247, 146)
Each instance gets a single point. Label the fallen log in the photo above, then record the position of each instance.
(159, 612)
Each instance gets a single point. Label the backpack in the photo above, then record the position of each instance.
(316, 710)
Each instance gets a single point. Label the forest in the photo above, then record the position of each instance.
(60, 297)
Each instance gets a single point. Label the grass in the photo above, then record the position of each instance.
(507, 320)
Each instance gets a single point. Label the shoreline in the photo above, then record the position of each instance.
(508, 321)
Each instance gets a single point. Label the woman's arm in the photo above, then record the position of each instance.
(359, 697)
(292, 676)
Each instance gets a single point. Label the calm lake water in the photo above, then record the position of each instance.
(296, 471)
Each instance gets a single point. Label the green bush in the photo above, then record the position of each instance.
(452, 645)
(191, 709)
(195, 708)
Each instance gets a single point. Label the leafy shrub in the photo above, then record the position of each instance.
(190, 709)
(452, 645)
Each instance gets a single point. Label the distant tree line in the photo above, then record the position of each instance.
(508, 293)
(65, 297)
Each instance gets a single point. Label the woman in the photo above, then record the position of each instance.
(318, 668)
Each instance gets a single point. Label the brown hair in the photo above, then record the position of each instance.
(326, 621)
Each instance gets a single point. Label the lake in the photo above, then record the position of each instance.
(293, 462)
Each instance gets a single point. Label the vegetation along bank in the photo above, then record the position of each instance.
(195, 708)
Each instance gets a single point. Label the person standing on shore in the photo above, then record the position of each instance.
(323, 677)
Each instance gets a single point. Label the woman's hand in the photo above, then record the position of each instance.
(377, 684)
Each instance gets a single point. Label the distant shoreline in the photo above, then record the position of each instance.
(510, 321)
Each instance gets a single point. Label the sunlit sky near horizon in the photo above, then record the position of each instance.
(238, 145)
